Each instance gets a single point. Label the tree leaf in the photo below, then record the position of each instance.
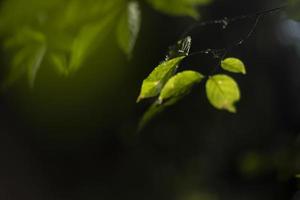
(60, 63)
(180, 84)
(222, 92)
(30, 49)
(153, 84)
(155, 109)
(35, 64)
(178, 7)
(87, 37)
(128, 27)
(233, 65)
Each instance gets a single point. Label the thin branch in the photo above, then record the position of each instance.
(226, 21)
(221, 53)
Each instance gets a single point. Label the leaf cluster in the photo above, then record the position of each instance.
(167, 86)
(64, 33)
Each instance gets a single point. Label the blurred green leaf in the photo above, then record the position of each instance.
(129, 27)
(86, 38)
(222, 92)
(178, 7)
(252, 164)
(233, 65)
(180, 84)
(155, 109)
(153, 84)
(60, 63)
(31, 49)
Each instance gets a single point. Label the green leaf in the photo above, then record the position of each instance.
(153, 84)
(233, 65)
(155, 109)
(30, 50)
(180, 84)
(222, 92)
(86, 39)
(35, 64)
(172, 92)
(60, 63)
(128, 27)
(297, 175)
(178, 7)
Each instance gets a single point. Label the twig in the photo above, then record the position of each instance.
(225, 22)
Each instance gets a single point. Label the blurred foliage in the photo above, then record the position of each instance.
(65, 33)
(178, 7)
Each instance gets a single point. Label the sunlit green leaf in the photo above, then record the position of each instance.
(178, 7)
(128, 27)
(180, 84)
(222, 92)
(153, 84)
(233, 65)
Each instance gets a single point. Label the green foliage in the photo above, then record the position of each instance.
(65, 33)
(153, 84)
(233, 65)
(178, 7)
(85, 39)
(222, 92)
(62, 33)
(179, 85)
(128, 27)
(29, 58)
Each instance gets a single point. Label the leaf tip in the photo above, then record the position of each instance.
(232, 109)
(138, 100)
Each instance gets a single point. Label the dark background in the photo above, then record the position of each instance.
(75, 138)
